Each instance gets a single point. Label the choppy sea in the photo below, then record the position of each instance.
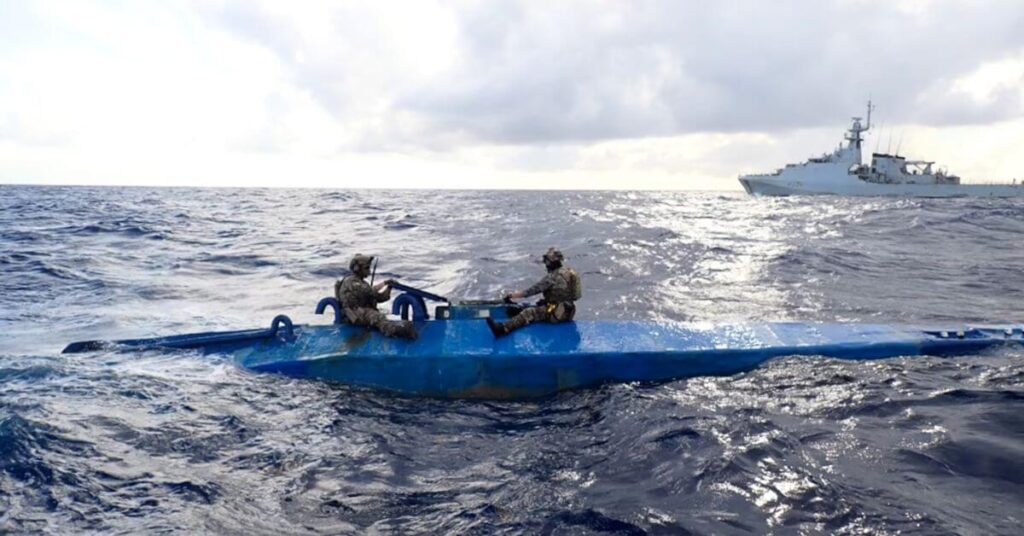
(158, 442)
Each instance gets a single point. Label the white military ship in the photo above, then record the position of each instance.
(843, 173)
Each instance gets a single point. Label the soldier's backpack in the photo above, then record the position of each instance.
(575, 283)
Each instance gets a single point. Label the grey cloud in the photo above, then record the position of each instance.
(532, 73)
(324, 72)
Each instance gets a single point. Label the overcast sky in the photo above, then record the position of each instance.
(643, 94)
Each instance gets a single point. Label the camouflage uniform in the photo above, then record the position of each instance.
(359, 304)
(557, 305)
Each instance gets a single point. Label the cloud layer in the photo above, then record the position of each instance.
(523, 73)
(514, 86)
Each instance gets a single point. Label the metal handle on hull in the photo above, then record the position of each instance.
(283, 320)
(332, 302)
(406, 303)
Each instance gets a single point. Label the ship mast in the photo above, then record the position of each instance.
(854, 134)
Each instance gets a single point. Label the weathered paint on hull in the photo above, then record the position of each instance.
(463, 360)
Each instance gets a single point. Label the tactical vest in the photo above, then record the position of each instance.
(571, 291)
(353, 293)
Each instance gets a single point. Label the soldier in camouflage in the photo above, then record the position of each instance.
(561, 288)
(359, 301)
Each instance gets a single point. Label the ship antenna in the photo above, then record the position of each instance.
(870, 107)
(878, 139)
(899, 143)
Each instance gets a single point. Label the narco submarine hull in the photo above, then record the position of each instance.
(457, 356)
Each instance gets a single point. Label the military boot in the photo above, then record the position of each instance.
(407, 331)
(402, 330)
(499, 329)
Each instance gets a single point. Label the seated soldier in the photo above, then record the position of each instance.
(561, 287)
(359, 301)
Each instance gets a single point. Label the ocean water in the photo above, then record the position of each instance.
(180, 443)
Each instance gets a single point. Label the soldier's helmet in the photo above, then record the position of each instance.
(360, 260)
(553, 256)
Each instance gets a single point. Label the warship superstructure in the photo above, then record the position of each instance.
(843, 173)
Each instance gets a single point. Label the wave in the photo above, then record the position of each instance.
(177, 442)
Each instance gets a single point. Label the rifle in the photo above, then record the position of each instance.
(373, 273)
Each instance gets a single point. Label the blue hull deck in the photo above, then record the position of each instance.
(462, 359)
